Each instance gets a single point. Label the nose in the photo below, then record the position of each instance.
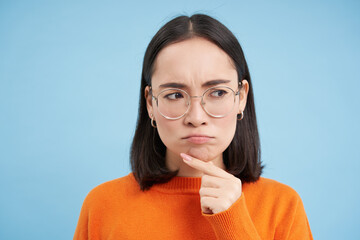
(196, 115)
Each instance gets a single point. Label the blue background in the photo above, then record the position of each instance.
(69, 84)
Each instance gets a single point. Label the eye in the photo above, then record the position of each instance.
(218, 93)
(174, 96)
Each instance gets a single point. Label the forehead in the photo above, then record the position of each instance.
(193, 62)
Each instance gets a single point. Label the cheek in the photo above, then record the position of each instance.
(227, 129)
(167, 129)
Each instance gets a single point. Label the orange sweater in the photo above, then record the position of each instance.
(118, 209)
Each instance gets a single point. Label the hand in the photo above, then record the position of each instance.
(219, 189)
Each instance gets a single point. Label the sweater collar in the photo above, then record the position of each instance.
(180, 185)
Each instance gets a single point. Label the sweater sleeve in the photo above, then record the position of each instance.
(295, 225)
(290, 221)
(234, 223)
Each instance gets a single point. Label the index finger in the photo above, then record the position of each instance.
(206, 168)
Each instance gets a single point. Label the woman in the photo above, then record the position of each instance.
(195, 155)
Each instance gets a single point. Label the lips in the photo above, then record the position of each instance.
(198, 139)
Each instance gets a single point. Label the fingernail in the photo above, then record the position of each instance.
(185, 157)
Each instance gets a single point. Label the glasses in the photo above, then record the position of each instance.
(174, 103)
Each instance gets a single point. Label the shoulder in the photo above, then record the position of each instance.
(279, 204)
(122, 186)
(271, 191)
(270, 185)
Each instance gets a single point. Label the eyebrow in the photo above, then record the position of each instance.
(206, 84)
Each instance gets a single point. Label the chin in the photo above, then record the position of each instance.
(201, 153)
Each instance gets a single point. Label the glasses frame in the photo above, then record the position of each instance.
(202, 103)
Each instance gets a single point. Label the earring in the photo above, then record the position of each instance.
(241, 116)
(152, 121)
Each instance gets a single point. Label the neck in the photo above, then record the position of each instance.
(175, 162)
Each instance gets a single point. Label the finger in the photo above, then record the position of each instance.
(211, 181)
(210, 192)
(207, 204)
(207, 210)
(206, 168)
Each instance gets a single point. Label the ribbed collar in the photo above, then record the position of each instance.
(180, 185)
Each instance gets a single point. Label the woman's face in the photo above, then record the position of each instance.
(194, 65)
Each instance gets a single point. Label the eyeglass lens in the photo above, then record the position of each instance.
(217, 102)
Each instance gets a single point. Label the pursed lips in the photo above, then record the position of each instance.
(198, 138)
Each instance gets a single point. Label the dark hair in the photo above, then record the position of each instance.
(242, 157)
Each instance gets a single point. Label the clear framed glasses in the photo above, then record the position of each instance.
(174, 103)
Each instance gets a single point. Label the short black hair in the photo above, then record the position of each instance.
(147, 154)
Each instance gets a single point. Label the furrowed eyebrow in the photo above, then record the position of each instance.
(172, 85)
(206, 84)
(215, 82)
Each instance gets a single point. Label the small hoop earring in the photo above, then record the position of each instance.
(241, 116)
(152, 121)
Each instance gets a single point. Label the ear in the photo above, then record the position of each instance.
(243, 95)
(148, 98)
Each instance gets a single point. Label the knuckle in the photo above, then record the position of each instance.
(202, 191)
(204, 177)
(204, 201)
(236, 186)
(238, 181)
